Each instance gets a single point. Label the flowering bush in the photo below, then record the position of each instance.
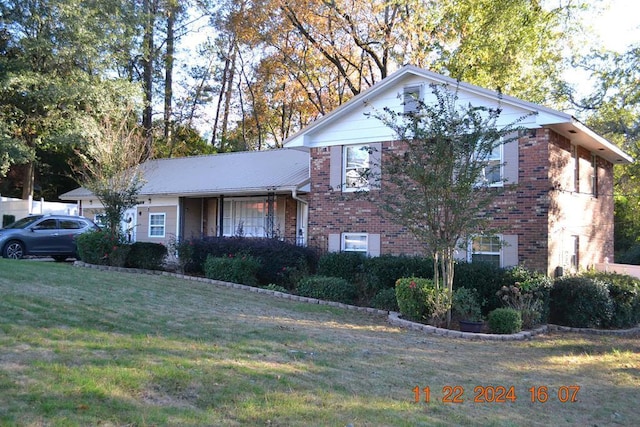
(101, 247)
(420, 300)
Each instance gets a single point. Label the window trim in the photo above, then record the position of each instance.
(500, 182)
(345, 150)
(343, 239)
(594, 175)
(163, 227)
(410, 90)
(499, 252)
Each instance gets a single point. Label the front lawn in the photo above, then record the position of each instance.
(86, 347)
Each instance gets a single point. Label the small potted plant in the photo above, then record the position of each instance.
(467, 305)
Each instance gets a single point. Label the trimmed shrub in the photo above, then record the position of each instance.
(346, 265)
(240, 269)
(624, 291)
(580, 302)
(387, 269)
(630, 256)
(327, 288)
(96, 247)
(146, 255)
(419, 300)
(280, 262)
(505, 321)
(483, 276)
(385, 300)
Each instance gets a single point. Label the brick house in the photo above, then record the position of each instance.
(556, 213)
(558, 216)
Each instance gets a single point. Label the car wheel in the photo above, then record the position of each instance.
(14, 250)
(60, 258)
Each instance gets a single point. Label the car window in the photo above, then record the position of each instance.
(47, 224)
(71, 224)
(24, 222)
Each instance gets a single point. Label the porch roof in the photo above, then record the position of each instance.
(239, 173)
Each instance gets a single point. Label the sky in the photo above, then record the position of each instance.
(619, 25)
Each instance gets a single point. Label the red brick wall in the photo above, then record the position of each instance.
(291, 214)
(535, 209)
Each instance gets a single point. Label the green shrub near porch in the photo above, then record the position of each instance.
(239, 268)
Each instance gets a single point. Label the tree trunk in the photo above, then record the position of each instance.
(28, 180)
(168, 79)
(147, 60)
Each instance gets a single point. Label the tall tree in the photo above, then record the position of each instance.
(613, 110)
(55, 53)
(110, 166)
(435, 183)
(308, 57)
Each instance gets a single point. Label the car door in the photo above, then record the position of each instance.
(43, 237)
(69, 228)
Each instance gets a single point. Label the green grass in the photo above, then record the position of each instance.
(86, 347)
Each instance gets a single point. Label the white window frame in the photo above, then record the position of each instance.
(153, 226)
(471, 252)
(231, 220)
(346, 168)
(344, 247)
(594, 175)
(492, 158)
(411, 95)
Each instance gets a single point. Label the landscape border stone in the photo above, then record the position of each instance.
(393, 318)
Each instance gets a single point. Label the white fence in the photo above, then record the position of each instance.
(631, 270)
(19, 208)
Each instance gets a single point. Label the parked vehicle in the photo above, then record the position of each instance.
(44, 235)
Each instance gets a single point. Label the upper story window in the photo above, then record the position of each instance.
(492, 171)
(157, 224)
(594, 175)
(486, 249)
(356, 167)
(410, 98)
(576, 167)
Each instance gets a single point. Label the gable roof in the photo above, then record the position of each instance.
(560, 122)
(238, 173)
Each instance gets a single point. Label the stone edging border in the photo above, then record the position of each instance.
(392, 317)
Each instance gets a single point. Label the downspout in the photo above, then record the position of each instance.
(299, 234)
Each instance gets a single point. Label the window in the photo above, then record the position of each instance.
(156, 224)
(571, 254)
(594, 175)
(47, 224)
(355, 242)
(71, 224)
(248, 217)
(492, 171)
(486, 249)
(410, 98)
(356, 167)
(576, 168)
